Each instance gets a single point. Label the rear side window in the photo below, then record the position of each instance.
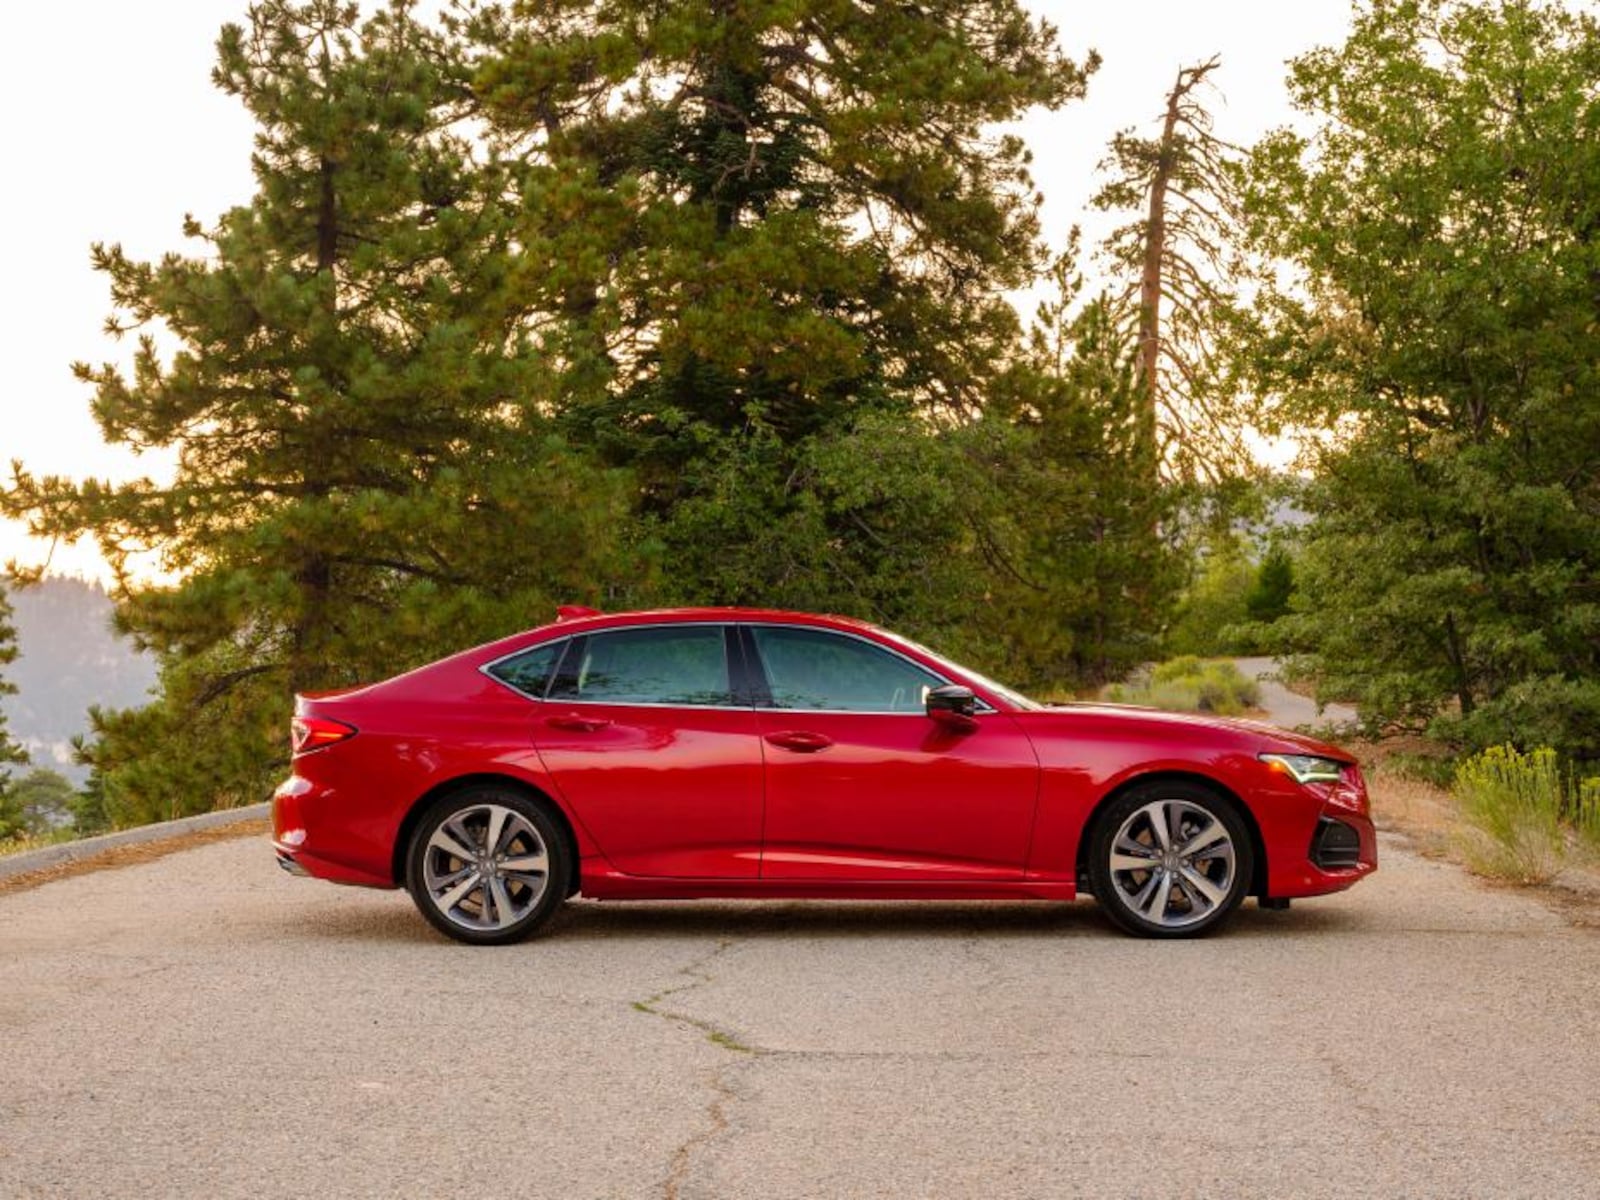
(668, 664)
(529, 672)
(814, 669)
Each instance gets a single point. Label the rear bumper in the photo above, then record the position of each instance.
(311, 848)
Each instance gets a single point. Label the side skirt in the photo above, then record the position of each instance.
(602, 883)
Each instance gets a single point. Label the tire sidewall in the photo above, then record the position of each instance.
(1110, 820)
(556, 850)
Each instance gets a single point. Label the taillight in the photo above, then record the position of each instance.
(314, 733)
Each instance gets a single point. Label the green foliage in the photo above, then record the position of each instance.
(1514, 802)
(795, 208)
(1445, 223)
(11, 754)
(1269, 594)
(89, 815)
(1188, 684)
(1080, 571)
(1434, 769)
(44, 798)
(367, 472)
(1586, 811)
(1216, 602)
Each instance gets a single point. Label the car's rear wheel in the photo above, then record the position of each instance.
(1169, 860)
(487, 865)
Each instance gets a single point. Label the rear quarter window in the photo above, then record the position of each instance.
(529, 672)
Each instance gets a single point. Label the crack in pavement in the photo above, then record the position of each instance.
(722, 1039)
(717, 1112)
(699, 977)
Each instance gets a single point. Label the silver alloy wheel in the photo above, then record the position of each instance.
(1172, 863)
(485, 867)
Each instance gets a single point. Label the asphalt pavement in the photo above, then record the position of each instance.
(204, 1025)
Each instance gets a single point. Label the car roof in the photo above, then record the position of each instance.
(652, 616)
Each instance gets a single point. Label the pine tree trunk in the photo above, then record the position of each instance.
(308, 665)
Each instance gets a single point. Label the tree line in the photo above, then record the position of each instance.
(591, 300)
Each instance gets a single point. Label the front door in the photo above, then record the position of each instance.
(641, 733)
(862, 785)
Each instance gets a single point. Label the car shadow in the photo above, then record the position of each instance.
(590, 920)
(856, 919)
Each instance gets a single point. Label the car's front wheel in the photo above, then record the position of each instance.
(487, 865)
(1169, 860)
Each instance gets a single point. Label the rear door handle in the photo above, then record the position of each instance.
(800, 740)
(574, 723)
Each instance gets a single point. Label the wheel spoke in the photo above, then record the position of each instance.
(497, 828)
(1156, 907)
(504, 911)
(458, 830)
(458, 893)
(1134, 862)
(1198, 883)
(527, 862)
(443, 840)
(452, 878)
(1156, 815)
(1206, 838)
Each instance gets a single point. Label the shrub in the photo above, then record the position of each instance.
(1186, 684)
(1586, 811)
(1514, 803)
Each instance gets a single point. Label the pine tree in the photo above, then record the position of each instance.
(11, 754)
(775, 213)
(1077, 572)
(366, 474)
(1180, 259)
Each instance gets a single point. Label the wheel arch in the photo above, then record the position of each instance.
(402, 841)
(1258, 871)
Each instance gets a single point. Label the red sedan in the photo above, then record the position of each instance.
(746, 753)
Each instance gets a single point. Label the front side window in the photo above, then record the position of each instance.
(668, 664)
(814, 669)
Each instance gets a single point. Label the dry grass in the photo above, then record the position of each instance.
(140, 852)
(1426, 814)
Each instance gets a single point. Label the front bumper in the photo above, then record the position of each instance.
(1343, 850)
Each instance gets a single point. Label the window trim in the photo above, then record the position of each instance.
(749, 669)
(758, 666)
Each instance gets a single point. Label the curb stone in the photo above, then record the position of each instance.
(66, 852)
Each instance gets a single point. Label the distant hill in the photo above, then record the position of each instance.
(69, 660)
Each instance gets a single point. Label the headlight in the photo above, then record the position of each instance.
(1306, 768)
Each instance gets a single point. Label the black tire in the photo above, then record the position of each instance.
(1201, 891)
(489, 903)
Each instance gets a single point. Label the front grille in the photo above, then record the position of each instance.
(1335, 846)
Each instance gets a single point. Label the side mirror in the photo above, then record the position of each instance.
(953, 706)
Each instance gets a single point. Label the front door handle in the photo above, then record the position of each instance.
(574, 723)
(800, 740)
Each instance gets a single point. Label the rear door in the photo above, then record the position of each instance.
(862, 785)
(644, 736)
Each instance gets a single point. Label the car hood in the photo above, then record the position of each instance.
(1271, 736)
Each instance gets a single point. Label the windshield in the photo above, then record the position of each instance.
(1010, 695)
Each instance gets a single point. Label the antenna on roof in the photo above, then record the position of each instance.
(571, 612)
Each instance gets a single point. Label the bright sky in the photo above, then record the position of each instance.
(131, 135)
